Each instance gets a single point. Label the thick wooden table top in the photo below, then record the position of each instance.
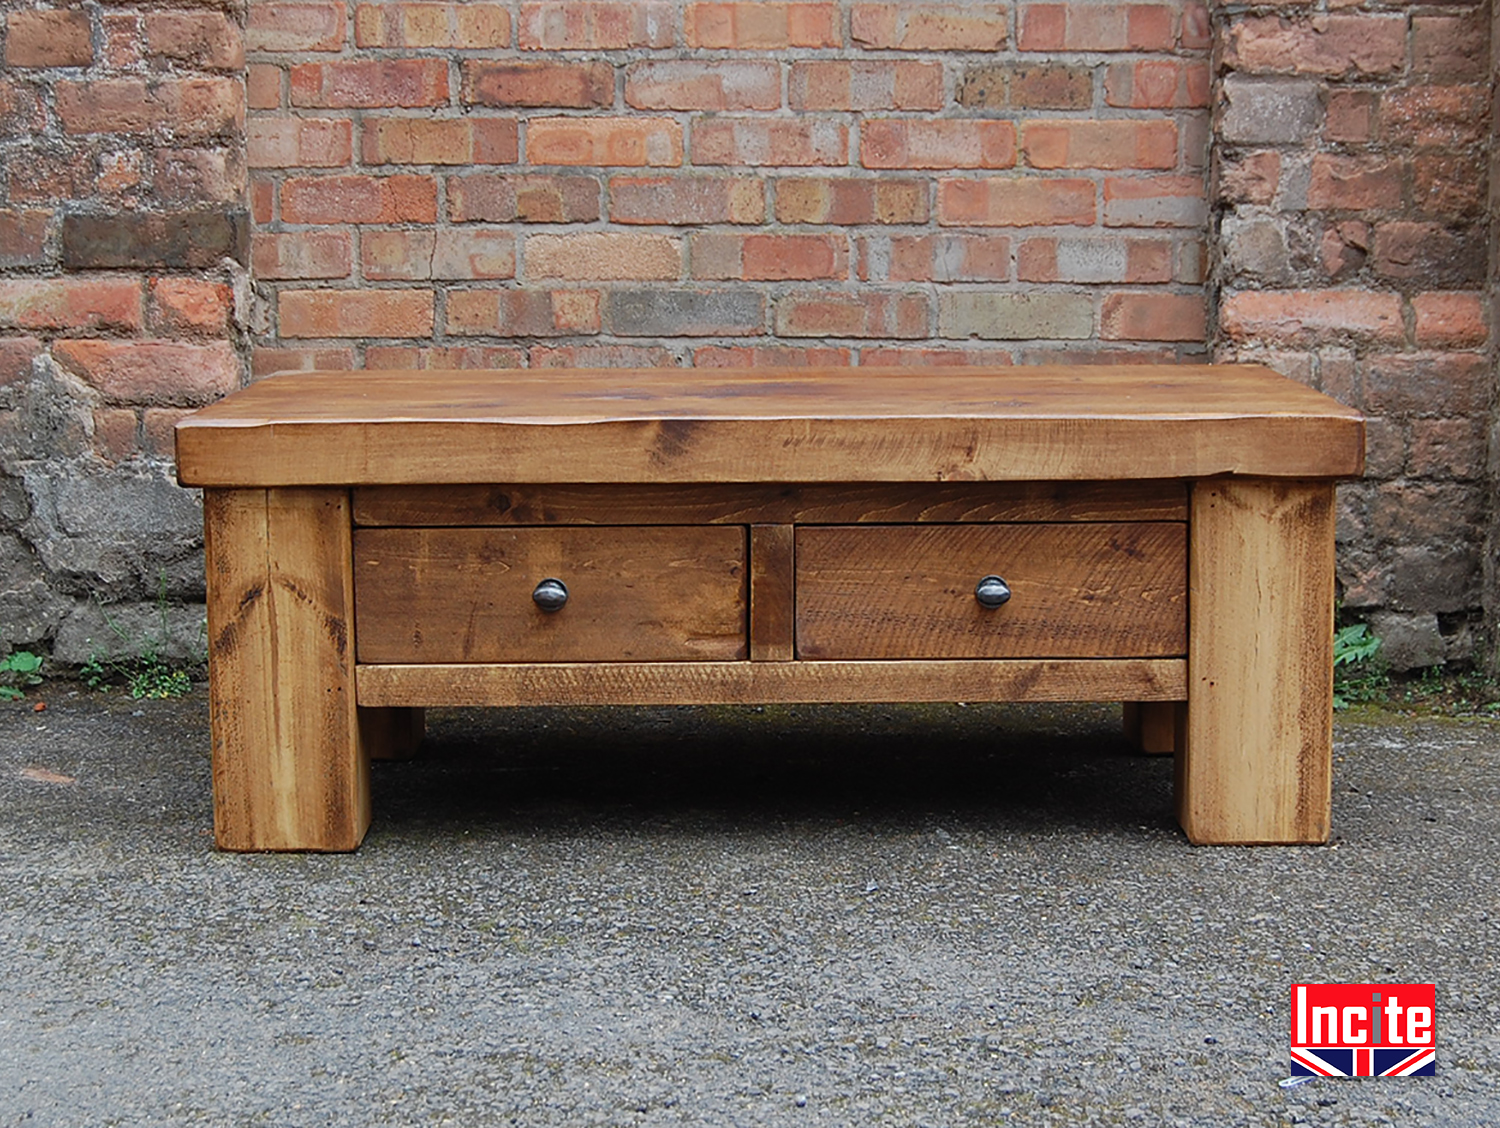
(1040, 423)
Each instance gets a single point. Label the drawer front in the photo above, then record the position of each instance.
(1077, 591)
(665, 593)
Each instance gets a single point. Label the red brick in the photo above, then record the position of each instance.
(16, 355)
(707, 84)
(1015, 202)
(355, 313)
(761, 141)
(603, 256)
(1100, 144)
(1449, 186)
(1154, 201)
(70, 303)
(189, 306)
(770, 356)
(302, 254)
(194, 176)
(23, 237)
(761, 25)
(601, 356)
(1456, 319)
(595, 25)
(158, 425)
(188, 107)
(284, 27)
(839, 84)
(525, 199)
(949, 258)
(119, 171)
(1350, 116)
(158, 372)
(1034, 85)
(207, 40)
(1330, 45)
(1249, 178)
(851, 202)
(115, 433)
(370, 83)
(635, 142)
(1434, 117)
(1447, 448)
(440, 141)
(686, 199)
(48, 39)
(1428, 383)
(122, 41)
(941, 357)
(837, 313)
(1157, 84)
(389, 357)
(448, 252)
(263, 86)
(463, 27)
(523, 313)
(573, 85)
(49, 178)
(769, 258)
(265, 361)
(910, 143)
(292, 142)
(1432, 253)
(928, 27)
(1344, 248)
(1196, 32)
(262, 199)
(1450, 48)
(1154, 317)
(1095, 27)
(1150, 260)
(1303, 316)
(359, 199)
(1354, 183)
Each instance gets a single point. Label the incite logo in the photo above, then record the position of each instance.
(1364, 1029)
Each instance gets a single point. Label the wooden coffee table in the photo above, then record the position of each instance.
(381, 542)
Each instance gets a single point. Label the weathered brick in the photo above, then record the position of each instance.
(370, 83)
(16, 355)
(837, 313)
(262, 199)
(1447, 448)
(1434, 117)
(761, 25)
(523, 313)
(264, 361)
(207, 40)
(770, 356)
(189, 306)
(21, 112)
(928, 27)
(359, 199)
(304, 254)
(122, 40)
(1350, 116)
(595, 25)
(1354, 183)
(158, 426)
(911, 143)
(841, 84)
(48, 39)
(1041, 86)
(213, 174)
(277, 26)
(634, 142)
(1269, 111)
(1450, 48)
(1157, 84)
(523, 199)
(116, 433)
(188, 107)
(903, 357)
(1450, 186)
(354, 313)
(45, 178)
(462, 252)
(1343, 249)
(1015, 316)
(263, 86)
(23, 237)
(940, 258)
(1342, 45)
(571, 85)
(1096, 27)
(1433, 253)
(686, 199)
(387, 357)
(850, 202)
(768, 257)
(1153, 317)
(461, 26)
(769, 141)
(685, 313)
(1100, 144)
(1306, 316)
(442, 141)
(603, 256)
(156, 372)
(294, 142)
(1428, 383)
(1015, 202)
(1154, 201)
(182, 241)
(702, 84)
(1452, 319)
(1249, 178)
(601, 356)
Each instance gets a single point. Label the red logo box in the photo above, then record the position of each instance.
(1364, 1029)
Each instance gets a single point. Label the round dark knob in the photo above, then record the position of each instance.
(550, 595)
(992, 591)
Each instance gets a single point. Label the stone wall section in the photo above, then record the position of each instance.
(1351, 209)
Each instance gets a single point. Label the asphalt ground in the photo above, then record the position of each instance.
(791, 916)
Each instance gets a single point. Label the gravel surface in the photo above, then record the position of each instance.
(790, 916)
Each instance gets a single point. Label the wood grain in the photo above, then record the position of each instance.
(1023, 423)
(290, 771)
(1151, 726)
(772, 593)
(664, 593)
(903, 591)
(393, 734)
(800, 503)
(750, 683)
(1255, 754)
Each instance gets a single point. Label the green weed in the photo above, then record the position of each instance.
(18, 671)
(1358, 677)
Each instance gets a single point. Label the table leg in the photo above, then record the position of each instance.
(1255, 746)
(290, 765)
(1151, 726)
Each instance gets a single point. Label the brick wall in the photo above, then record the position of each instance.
(1351, 254)
(582, 182)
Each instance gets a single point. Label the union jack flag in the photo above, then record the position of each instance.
(1320, 1061)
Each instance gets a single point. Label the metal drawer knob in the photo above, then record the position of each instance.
(992, 591)
(550, 595)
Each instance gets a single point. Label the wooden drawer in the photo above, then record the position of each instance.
(663, 593)
(907, 591)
